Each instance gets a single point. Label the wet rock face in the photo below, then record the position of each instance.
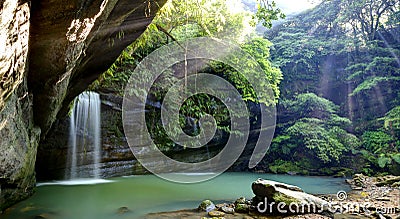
(116, 156)
(19, 137)
(14, 35)
(50, 51)
(18, 145)
(73, 42)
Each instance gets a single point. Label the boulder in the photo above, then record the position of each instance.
(123, 210)
(389, 181)
(206, 205)
(216, 214)
(241, 208)
(280, 198)
(240, 200)
(359, 180)
(228, 210)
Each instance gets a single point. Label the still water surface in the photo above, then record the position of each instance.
(100, 199)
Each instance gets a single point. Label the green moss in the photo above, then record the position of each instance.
(240, 200)
(204, 204)
(280, 197)
(241, 208)
(281, 166)
(335, 171)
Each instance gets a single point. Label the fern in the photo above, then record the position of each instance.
(396, 157)
(383, 161)
(371, 83)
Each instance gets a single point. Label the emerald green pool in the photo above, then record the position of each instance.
(101, 199)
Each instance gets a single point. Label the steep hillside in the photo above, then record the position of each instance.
(340, 53)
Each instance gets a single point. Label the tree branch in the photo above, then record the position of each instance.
(168, 34)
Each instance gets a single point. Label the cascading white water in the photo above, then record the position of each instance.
(84, 136)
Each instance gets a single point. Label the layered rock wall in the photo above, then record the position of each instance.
(73, 42)
(14, 35)
(19, 137)
(50, 51)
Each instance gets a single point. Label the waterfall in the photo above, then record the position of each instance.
(84, 137)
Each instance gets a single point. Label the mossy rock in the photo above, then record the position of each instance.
(267, 190)
(241, 208)
(280, 197)
(389, 181)
(123, 210)
(240, 200)
(287, 167)
(206, 205)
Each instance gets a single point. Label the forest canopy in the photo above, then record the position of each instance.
(334, 71)
(346, 52)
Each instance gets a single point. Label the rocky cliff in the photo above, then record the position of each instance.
(116, 158)
(50, 51)
(19, 136)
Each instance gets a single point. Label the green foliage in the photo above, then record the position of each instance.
(311, 105)
(258, 48)
(357, 70)
(337, 45)
(379, 66)
(208, 18)
(394, 19)
(371, 83)
(383, 161)
(182, 19)
(396, 157)
(366, 17)
(382, 149)
(316, 131)
(199, 105)
(336, 42)
(392, 119)
(321, 142)
(268, 12)
(284, 167)
(177, 21)
(296, 54)
(338, 29)
(376, 141)
(282, 144)
(157, 132)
